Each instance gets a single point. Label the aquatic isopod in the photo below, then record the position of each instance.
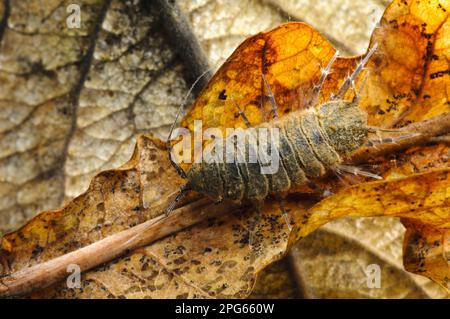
(310, 143)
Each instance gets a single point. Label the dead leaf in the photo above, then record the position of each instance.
(74, 100)
(114, 287)
(348, 25)
(328, 258)
(340, 21)
(426, 252)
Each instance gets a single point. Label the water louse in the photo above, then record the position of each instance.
(311, 142)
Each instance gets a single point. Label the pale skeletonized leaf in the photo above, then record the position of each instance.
(40, 69)
(134, 85)
(87, 107)
(347, 23)
(73, 100)
(223, 24)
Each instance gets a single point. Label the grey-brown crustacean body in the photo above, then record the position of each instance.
(311, 142)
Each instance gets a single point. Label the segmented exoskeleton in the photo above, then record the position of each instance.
(311, 142)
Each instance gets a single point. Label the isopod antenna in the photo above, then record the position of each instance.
(349, 81)
(180, 171)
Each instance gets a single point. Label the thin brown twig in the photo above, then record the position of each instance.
(46, 273)
(429, 130)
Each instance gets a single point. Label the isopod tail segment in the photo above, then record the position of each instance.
(349, 82)
(389, 139)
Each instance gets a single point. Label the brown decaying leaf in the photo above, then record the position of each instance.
(348, 25)
(206, 259)
(39, 70)
(74, 100)
(209, 269)
(323, 258)
(202, 242)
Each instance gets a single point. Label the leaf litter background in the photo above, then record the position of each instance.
(73, 104)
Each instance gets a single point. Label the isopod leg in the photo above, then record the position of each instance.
(177, 167)
(181, 194)
(359, 92)
(323, 77)
(341, 168)
(252, 230)
(242, 114)
(271, 97)
(285, 213)
(360, 67)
